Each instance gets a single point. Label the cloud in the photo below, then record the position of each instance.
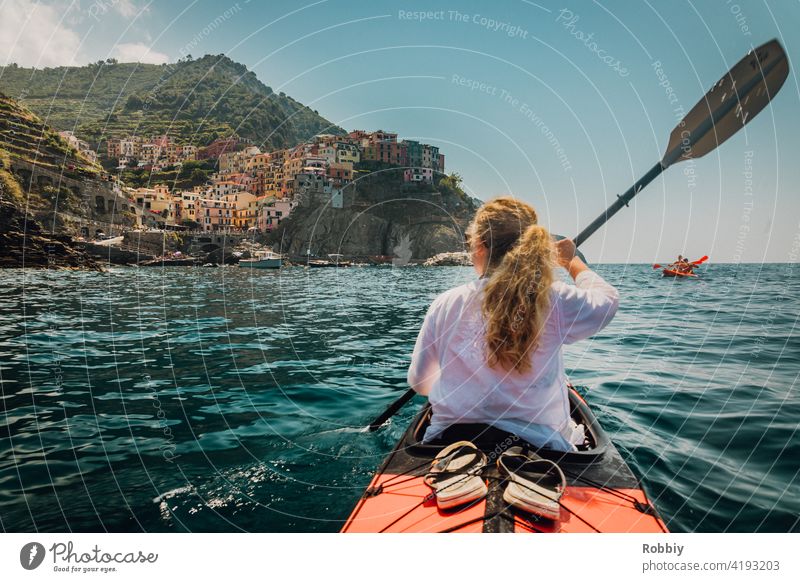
(137, 52)
(33, 34)
(128, 9)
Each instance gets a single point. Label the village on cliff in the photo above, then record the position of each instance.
(253, 191)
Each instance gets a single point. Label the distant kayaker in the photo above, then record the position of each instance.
(490, 351)
(677, 264)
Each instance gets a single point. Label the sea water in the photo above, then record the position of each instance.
(192, 399)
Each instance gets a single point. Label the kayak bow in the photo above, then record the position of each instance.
(602, 493)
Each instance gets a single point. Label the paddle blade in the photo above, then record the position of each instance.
(701, 260)
(656, 266)
(730, 104)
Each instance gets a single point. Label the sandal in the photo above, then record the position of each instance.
(535, 484)
(455, 475)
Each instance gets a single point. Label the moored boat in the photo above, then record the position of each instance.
(268, 260)
(602, 493)
(334, 260)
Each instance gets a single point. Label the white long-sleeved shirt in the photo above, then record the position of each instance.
(449, 362)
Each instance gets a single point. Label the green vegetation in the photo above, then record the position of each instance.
(194, 101)
(23, 136)
(451, 184)
(9, 187)
(192, 173)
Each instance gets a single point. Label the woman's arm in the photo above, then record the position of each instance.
(591, 304)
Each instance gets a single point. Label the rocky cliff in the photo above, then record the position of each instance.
(381, 217)
(24, 243)
(42, 181)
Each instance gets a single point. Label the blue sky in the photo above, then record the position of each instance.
(511, 91)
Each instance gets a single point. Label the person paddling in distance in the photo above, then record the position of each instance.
(490, 351)
(677, 265)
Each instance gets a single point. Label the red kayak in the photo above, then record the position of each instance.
(602, 492)
(667, 272)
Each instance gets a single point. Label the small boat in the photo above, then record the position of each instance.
(673, 273)
(334, 260)
(602, 492)
(268, 260)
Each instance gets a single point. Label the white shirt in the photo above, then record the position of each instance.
(449, 362)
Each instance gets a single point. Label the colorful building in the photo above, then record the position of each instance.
(340, 174)
(216, 215)
(418, 175)
(271, 211)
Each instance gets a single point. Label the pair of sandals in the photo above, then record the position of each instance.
(535, 485)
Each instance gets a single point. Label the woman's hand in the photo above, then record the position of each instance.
(565, 250)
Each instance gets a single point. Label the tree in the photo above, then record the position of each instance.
(133, 102)
(198, 176)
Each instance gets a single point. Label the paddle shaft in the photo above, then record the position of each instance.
(621, 201)
(391, 411)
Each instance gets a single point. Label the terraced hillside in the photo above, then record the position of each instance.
(24, 136)
(194, 101)
(52, 183)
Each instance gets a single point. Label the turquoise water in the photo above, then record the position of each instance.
(220, 400)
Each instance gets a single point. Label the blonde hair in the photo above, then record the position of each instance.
(516, 298)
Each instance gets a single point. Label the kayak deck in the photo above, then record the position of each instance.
(671, 273)
(602, 494)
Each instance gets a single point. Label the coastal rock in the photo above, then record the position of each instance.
(113, 254)
(24, 243)
(380, 217)
(459, 259)
(222, 257)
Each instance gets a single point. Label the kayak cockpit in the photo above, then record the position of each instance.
(491, 439)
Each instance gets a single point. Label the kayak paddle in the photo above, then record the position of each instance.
(731, 103)
(728, 106)
(391, 411)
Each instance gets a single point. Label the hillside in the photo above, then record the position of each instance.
(194, 101)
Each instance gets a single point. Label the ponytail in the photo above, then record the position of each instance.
(516, 299)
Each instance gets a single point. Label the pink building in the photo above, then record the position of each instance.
(418, 175)
(271, 212)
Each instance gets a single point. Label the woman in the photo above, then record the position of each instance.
(490, 351)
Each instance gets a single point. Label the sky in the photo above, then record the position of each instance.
(562, 104)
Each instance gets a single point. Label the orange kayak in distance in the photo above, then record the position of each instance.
(602, 493)
(671, 273)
